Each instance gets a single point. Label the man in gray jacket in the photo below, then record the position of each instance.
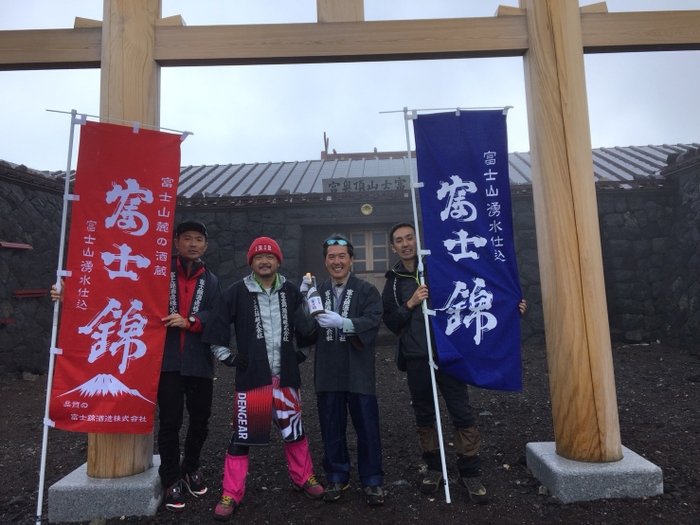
(402, 297)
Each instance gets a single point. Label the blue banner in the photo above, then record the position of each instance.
(471, 271)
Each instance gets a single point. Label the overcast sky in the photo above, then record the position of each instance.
(279, 113)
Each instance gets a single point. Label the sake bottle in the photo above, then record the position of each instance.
(313, 298)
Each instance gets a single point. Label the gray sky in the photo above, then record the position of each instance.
(279, 113)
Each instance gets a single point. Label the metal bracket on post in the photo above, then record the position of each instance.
(79, 119)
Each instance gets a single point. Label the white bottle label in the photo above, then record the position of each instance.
(315, 304)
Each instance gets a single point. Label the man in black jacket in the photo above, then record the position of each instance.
(187, 371)
(402, 298)
(266, 311)
(344, 373)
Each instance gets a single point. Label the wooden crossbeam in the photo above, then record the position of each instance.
(341, 42)
(50, 48)
(351, 41)
(649, 31)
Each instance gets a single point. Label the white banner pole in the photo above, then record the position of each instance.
(54, 327)
(424, 306)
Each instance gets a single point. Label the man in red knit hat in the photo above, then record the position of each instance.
(265, 310)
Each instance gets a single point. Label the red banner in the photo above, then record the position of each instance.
(111, 337)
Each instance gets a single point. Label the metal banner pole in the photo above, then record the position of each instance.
(54, 329)
(424, 306)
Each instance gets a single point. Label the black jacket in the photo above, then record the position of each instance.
(346, 363)
(407, 324)
(239, 306)
(191, 357)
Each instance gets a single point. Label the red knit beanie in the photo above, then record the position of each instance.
(264, 245)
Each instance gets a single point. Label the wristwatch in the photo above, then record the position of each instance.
(192, 319)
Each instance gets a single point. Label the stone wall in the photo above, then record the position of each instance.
(532, 323)
(678, 293)
(30, 216)
(636, 226)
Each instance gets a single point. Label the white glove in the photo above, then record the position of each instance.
(305, 284)
(220, 352)
(329, 320)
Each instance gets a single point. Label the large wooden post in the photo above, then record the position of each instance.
(129, 90)
(340, 10)
(579, 355)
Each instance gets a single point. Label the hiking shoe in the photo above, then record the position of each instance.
(224, 509)
(194, 483)
(431, 482)
(311, 488)
(334, 491)
(374, 495)
(477, 492)
(174, 498)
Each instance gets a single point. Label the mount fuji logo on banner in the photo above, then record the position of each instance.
(105, 385)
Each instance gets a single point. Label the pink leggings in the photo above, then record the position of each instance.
(236, 468)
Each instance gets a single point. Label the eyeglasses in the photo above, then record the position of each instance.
(341, 242)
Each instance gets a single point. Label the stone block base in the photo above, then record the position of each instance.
(78, 497)
(631, 477)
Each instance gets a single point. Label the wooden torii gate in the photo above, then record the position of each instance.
(133, 42)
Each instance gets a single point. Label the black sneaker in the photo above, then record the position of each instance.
(431, 482)
(334, 491)
(374, 495)
(477, 492)
(174, 498)
(194, 483)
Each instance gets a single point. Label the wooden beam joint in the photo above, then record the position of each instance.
(598, 7)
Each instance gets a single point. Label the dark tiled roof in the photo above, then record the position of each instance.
(22, 175)
(619, 167)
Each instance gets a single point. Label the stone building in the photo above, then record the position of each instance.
(648, 199)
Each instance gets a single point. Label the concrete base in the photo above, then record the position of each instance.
(78, 497)
(631, 477)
